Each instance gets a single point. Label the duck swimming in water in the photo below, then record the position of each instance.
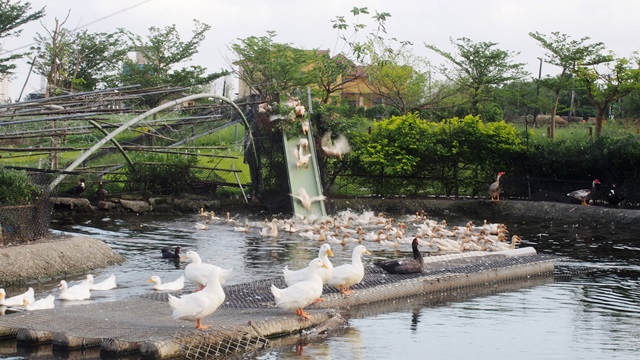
(168, 254)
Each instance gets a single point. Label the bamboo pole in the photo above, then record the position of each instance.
(133, 121)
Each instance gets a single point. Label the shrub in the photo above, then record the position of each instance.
(16, 188)
(161, 174)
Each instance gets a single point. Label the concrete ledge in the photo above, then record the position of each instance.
(53, 257)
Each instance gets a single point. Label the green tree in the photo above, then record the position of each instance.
(566, 53)
(268, 67)
(479, 68)
(397, 81)
(83, 60)
(157, 58)
(14, 14)
(619, 79)
(331, 74)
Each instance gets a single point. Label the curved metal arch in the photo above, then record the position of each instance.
(133, 121)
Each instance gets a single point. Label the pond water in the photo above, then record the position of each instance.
(592, 314)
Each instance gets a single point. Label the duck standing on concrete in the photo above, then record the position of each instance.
(303, 293)
(347, 275)
(585, 194)
(195, 306)
(77, 190)
(494, 188)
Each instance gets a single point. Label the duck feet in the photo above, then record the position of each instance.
(199, 325)
(303, 314)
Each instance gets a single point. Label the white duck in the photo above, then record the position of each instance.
(17, 300)
(307, 200)
(197, 272)
(175, 285)
(106, 284)
(81, 291)
(293, 276)
(41, 304)
(339, 147)
(347, 275)
(195, 306)
(303, 293)
(302, 159)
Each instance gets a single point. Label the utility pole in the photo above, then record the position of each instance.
(536, 111)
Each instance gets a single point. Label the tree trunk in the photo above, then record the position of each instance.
(552, 134)
(600, 119)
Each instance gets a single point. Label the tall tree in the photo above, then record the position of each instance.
(157, 57)
(398, 85)
(78, 61)
(267, 67)
(331, 74)
(479, 68)
(566, 53)
(608, 83)
(14, 14)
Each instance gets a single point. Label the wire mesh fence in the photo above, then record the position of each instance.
(516, 188)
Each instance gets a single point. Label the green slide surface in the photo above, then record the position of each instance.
(303, 177)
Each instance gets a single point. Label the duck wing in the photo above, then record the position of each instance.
(400, 266)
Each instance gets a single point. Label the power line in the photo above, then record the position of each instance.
(87, 24)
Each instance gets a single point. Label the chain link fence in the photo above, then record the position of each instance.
(517, 188)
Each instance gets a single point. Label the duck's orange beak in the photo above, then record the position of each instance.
(367, 252)
(329, 252)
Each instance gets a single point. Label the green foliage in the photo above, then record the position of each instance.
(270, 67)
(12, 16)
(478, 68)
(16, 188)
(455, 153)
(605, 88)
(163, 50)
(84, 60)
(161, 174)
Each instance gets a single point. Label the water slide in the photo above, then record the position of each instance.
(303, 177)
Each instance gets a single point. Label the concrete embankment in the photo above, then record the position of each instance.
(52, 257)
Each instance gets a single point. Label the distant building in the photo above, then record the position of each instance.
(356, 89)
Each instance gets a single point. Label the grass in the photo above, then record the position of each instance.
(584, 132)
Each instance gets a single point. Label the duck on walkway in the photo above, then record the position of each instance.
(195, 306)
(303, 293)
(404, 266)
(347, 275)
(198, 272)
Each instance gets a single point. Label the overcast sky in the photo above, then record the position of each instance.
(307, 24)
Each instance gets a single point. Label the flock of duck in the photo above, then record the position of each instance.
(379, 230)
(304, 286)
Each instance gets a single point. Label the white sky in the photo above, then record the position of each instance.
(306, 24)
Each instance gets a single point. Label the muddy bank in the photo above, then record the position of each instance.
(52, 257)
